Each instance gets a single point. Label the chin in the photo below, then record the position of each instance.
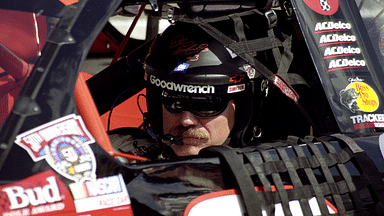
(186, 150)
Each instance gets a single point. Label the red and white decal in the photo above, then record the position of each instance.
(323, 7)
(228, 202)
(235, 88)
(41, 194)
(102, 194)
(64, 144)
(283, 85)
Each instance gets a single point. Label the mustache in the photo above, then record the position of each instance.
(188, 132)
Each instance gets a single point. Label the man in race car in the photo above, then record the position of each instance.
(200, 93)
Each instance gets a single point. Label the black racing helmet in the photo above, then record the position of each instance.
(186, 62)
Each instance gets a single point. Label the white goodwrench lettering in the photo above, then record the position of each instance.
(196, 89)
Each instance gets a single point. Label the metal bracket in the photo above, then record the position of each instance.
(271, 18)
(155, 6)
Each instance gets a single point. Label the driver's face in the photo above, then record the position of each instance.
(197, 132)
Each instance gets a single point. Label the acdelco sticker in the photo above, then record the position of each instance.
(41, 194)
(64, 144)
(359, 96)
(323, 7)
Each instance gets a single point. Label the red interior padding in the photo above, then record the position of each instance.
(22, 37)
(88, 111)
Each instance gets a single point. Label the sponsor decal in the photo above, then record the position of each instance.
(251, 72)
(235, 88)
(284, 87)
(368, 121)
(331, 39)
(192, 89)
(228, 202)
(237, 78)
(64, 144)
(41, 194)
(329, 26)
(339, 51)
(69, 2)
(338, 64)
(323, 7)
(339, 46)
(359, 96)
(181, 67)
(102, 193)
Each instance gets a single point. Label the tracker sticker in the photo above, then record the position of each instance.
(64, 144)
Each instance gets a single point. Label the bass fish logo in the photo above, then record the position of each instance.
(359, 96)
(323, 7)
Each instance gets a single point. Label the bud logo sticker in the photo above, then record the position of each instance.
(359, 96)
(41, 194)
(323, 7)
(64, 144)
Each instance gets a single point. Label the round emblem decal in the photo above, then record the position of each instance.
(324, 7)
(359, 96)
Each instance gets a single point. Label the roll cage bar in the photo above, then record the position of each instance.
(80, 21)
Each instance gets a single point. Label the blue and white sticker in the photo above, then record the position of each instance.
(181, 67)
(64, 144)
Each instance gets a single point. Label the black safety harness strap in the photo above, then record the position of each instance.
(244, 49)
(253, 201)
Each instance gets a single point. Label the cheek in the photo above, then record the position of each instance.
(168, 121)
(220, 127)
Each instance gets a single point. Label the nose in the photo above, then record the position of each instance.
(187, 119)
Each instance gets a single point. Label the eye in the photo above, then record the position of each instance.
(177, 105)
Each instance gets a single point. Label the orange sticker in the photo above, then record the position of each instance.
(69, 2)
